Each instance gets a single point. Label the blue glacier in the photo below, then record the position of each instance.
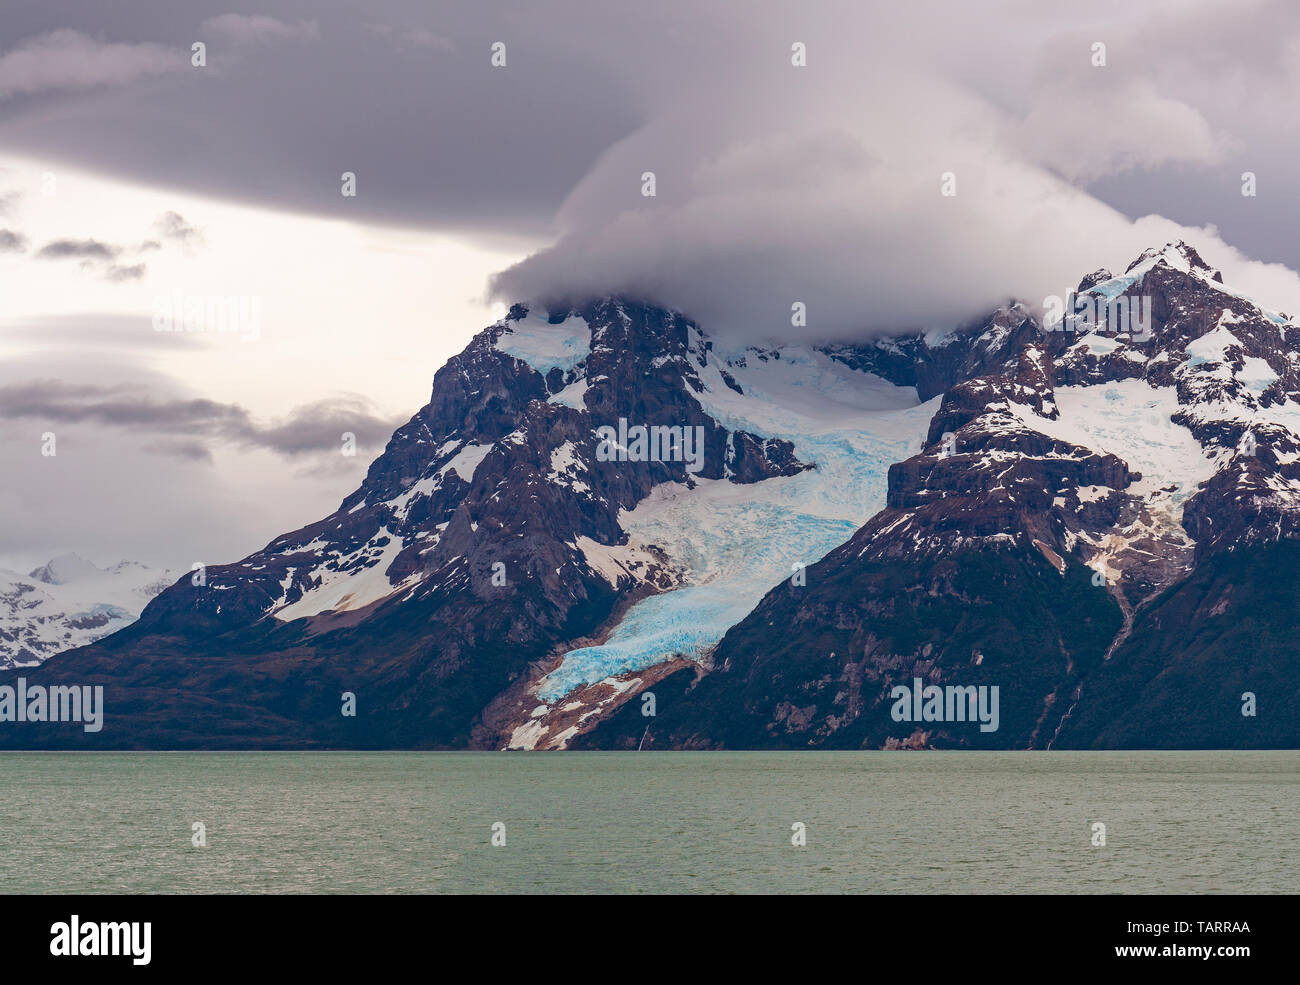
(738, 541)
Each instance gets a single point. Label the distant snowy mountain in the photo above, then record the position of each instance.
(1100, 522)
(67, 603)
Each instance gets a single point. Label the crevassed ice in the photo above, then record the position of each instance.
(692, 619)
(737, 541)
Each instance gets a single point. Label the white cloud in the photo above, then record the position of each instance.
(66, 59)
(258, 27)
(822, 184)
(1089, 133)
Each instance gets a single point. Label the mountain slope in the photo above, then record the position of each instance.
(1181, 677)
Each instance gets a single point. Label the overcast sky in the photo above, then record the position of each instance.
(127, 174)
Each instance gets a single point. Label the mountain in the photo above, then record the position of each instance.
(68, 603)
(603, 509)
(485, 538)
(1102, 529)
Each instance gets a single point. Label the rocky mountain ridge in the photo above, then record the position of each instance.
(1008, 503)
(1085, 481)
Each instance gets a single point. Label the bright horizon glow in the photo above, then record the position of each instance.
(346, 308)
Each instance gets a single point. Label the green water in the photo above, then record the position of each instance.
(650, 822)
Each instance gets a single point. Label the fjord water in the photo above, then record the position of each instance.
(664, 822)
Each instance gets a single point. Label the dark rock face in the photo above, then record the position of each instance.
(933, 366)
(1198, 656)
(1098, 276)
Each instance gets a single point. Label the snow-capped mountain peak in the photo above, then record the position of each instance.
(66, 569)
(69, 602)
(1176, 254)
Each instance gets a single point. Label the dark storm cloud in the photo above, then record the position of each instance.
(401, 94)
(12, 242)
(182, 425)
(776, 184)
